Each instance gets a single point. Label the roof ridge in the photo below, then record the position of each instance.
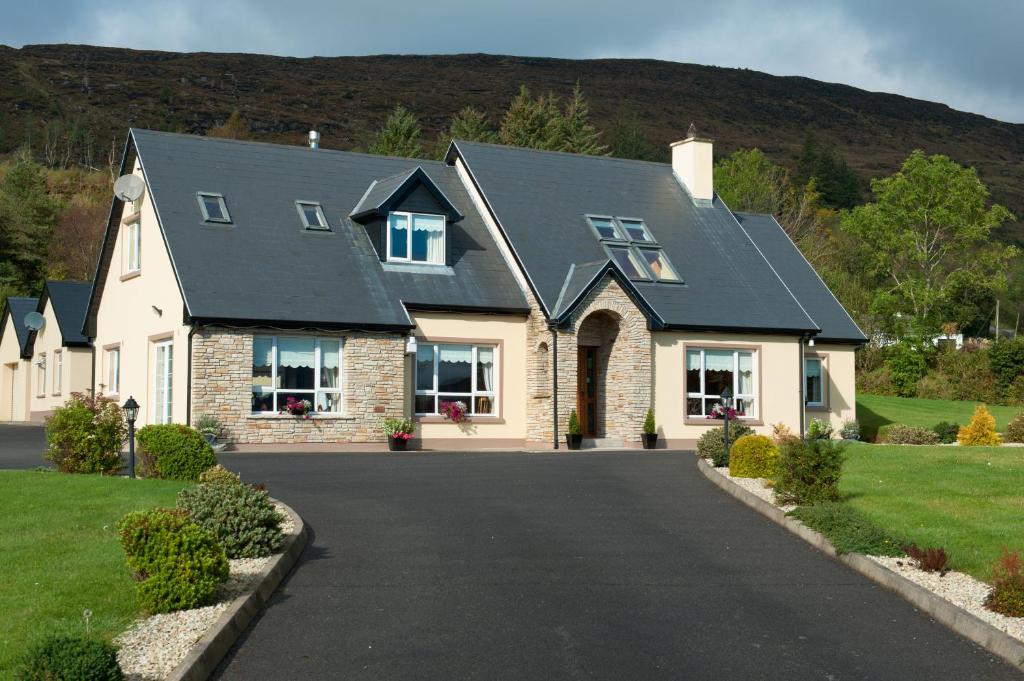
(562, 153)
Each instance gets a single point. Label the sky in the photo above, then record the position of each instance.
(966, 54)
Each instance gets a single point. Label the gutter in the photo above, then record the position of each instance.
(803, 379)
(554, 382)
(188, 379)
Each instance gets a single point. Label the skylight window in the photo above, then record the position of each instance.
(636, 230)
(658, 264)
(627, 260)
(312, 215)
(606, 228)
(631, 245)
(213, 207)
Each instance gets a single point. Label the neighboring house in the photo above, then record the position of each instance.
(54, 361)
(522, 283)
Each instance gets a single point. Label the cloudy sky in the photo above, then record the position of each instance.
(965, 54)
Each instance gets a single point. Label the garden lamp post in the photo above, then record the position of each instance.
(131, 411)
(726, 408)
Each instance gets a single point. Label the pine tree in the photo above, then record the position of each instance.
(838, 185)
(27, 216)
(577, 135)
(628, 140)
(399, 136)
(234, 128)
(534, 123)
(469, 124)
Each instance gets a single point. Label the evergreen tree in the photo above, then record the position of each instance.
(399, 136)
(838, 184)
(577, 134)
(234, 128)
(627, 139)
(27, 216)
(534, 123)
(469, 124)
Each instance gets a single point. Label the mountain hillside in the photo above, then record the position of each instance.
(100, 92)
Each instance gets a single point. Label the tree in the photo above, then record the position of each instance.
(534, 123)
(399, 136)
(27, 216)
(234, 128)
(839, 185)
(927, 230)
(576, 133)
(469, 124)
(627, 139)
(76, 242)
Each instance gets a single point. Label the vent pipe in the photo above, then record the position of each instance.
(314, 139)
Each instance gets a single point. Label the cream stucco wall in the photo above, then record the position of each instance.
(75, 369)
(128, 316)
(840, 377)
(14, 395)
(510, 333)
(777, 364)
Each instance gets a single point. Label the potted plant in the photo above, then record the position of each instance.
(453, 411)
(851, 430)
(573, 436)
(210, 428)
(296, 407)
(650, 434)
(399, 432)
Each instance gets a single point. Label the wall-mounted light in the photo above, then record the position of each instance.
(159, 312)
(410, 345)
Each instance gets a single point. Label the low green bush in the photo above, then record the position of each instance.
(650, 428)
(908, 363)
(876, 382)
(711, 445)
(819, 429)
(946, 432)
(85, 435)
(174, 451)
(178, 564)
(1015, 429)
(1007, 595)
(63, 656)
(900, 434)
(242, 518)
(848, 530)
(218, 475)
(809, 472)
(754, 456)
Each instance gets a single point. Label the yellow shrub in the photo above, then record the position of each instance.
(781, 434)
(754, 456)
(981, 431)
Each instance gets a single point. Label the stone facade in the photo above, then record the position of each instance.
(373, 386)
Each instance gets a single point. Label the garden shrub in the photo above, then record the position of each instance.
(650, 428)
(819, 429)
(174, 451)
(850, 430)
(966, 375)
(218, 475)
(711, 445)
(946, 432)
(1006, 359)
(934, 559)
(1007, 595)
(907, 363)
(901, 434)
(85, 435)
(935, 386)
(876, 382)
(981, 431)
(847, 529)
(573, 427)
(809, 472)
(178, 564)
(753, 456)
(781, 434)
(242, 518)
(1015, 429)
(64, 656)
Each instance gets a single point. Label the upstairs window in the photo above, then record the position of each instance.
(416, 238)
(636, 230)
(627, 260)
(131, 248)
(312, 215)
(631, 245)
(657, 262)
(213, 207)
(606, 228)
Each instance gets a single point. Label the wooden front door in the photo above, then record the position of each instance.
(586, 390)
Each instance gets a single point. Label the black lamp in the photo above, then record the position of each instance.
(131, 412)
(726, 406)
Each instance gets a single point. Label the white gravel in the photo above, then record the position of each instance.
(758, 486)
(154, 646)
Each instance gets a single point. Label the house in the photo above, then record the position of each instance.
(42, 367)
(522, 283)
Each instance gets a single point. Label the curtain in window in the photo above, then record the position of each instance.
(398, 224)
(485, 369)
(813, 372)
(454, 368)
(295, 363)
(432, 227)
(746, 382)
(330, 371)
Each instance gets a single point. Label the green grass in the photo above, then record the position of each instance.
(968, 500)
(876, 410)
(849, 530)
(59, 554)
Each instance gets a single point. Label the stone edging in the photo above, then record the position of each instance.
(207, 653)
(962, 622)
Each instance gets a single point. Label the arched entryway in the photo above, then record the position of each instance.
(595, 342)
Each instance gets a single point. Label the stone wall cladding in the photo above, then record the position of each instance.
(373, 383)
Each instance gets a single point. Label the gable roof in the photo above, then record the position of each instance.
(17, 308)
(384, 194)
(70, 301)
(801, 278)
(265, 267)
(540, 200)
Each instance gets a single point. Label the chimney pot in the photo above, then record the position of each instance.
(314, 139)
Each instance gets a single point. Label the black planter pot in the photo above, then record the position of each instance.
(650, 440)
(397, 444)
(573, 440)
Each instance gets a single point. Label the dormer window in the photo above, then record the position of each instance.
(312, 215)
(416, 238)
(631, 245)
(213, 207)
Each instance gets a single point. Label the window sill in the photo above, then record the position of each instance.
(720, 422)
(417, 267)
(131, 275)
(481, 419)
(816, 407)
(273, 416)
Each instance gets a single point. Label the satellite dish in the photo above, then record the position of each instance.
(129, 188)
(34, 321)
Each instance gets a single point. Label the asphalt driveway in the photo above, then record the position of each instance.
(595, 565)
(22, 446)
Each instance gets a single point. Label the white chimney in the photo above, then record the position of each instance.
(314, 139)
(692, 162)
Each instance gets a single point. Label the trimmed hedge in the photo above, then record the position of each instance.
(754, 456)
(64, 656)
(900, 434)
(242, 518)
(174, 451)
(711, 445)
(809, 472)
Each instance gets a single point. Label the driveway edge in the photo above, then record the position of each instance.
(962, 622)
(205, 655)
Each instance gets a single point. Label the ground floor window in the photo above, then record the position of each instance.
(814, 388)
(162, 384)
(711, 370)
(300, 367)
(456, 373)
(113, 371)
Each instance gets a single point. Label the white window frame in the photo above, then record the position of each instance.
(114, 370)
(408, 237)
(58, 371)
(168, 393)
(132, 247)
(821, 377)
(470, 397)
(41, 375)
(751, 397)
(273, 390)
(322, 226)
(223, 207)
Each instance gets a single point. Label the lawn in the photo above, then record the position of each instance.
(60, 554)
(968, 500)
(876, 410)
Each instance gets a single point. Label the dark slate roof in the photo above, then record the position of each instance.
(18, 308)
(835, 322)
(265, 267)
(382, 195)
(70, 301)
(540, 199)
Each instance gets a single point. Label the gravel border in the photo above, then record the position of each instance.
(917, 591)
